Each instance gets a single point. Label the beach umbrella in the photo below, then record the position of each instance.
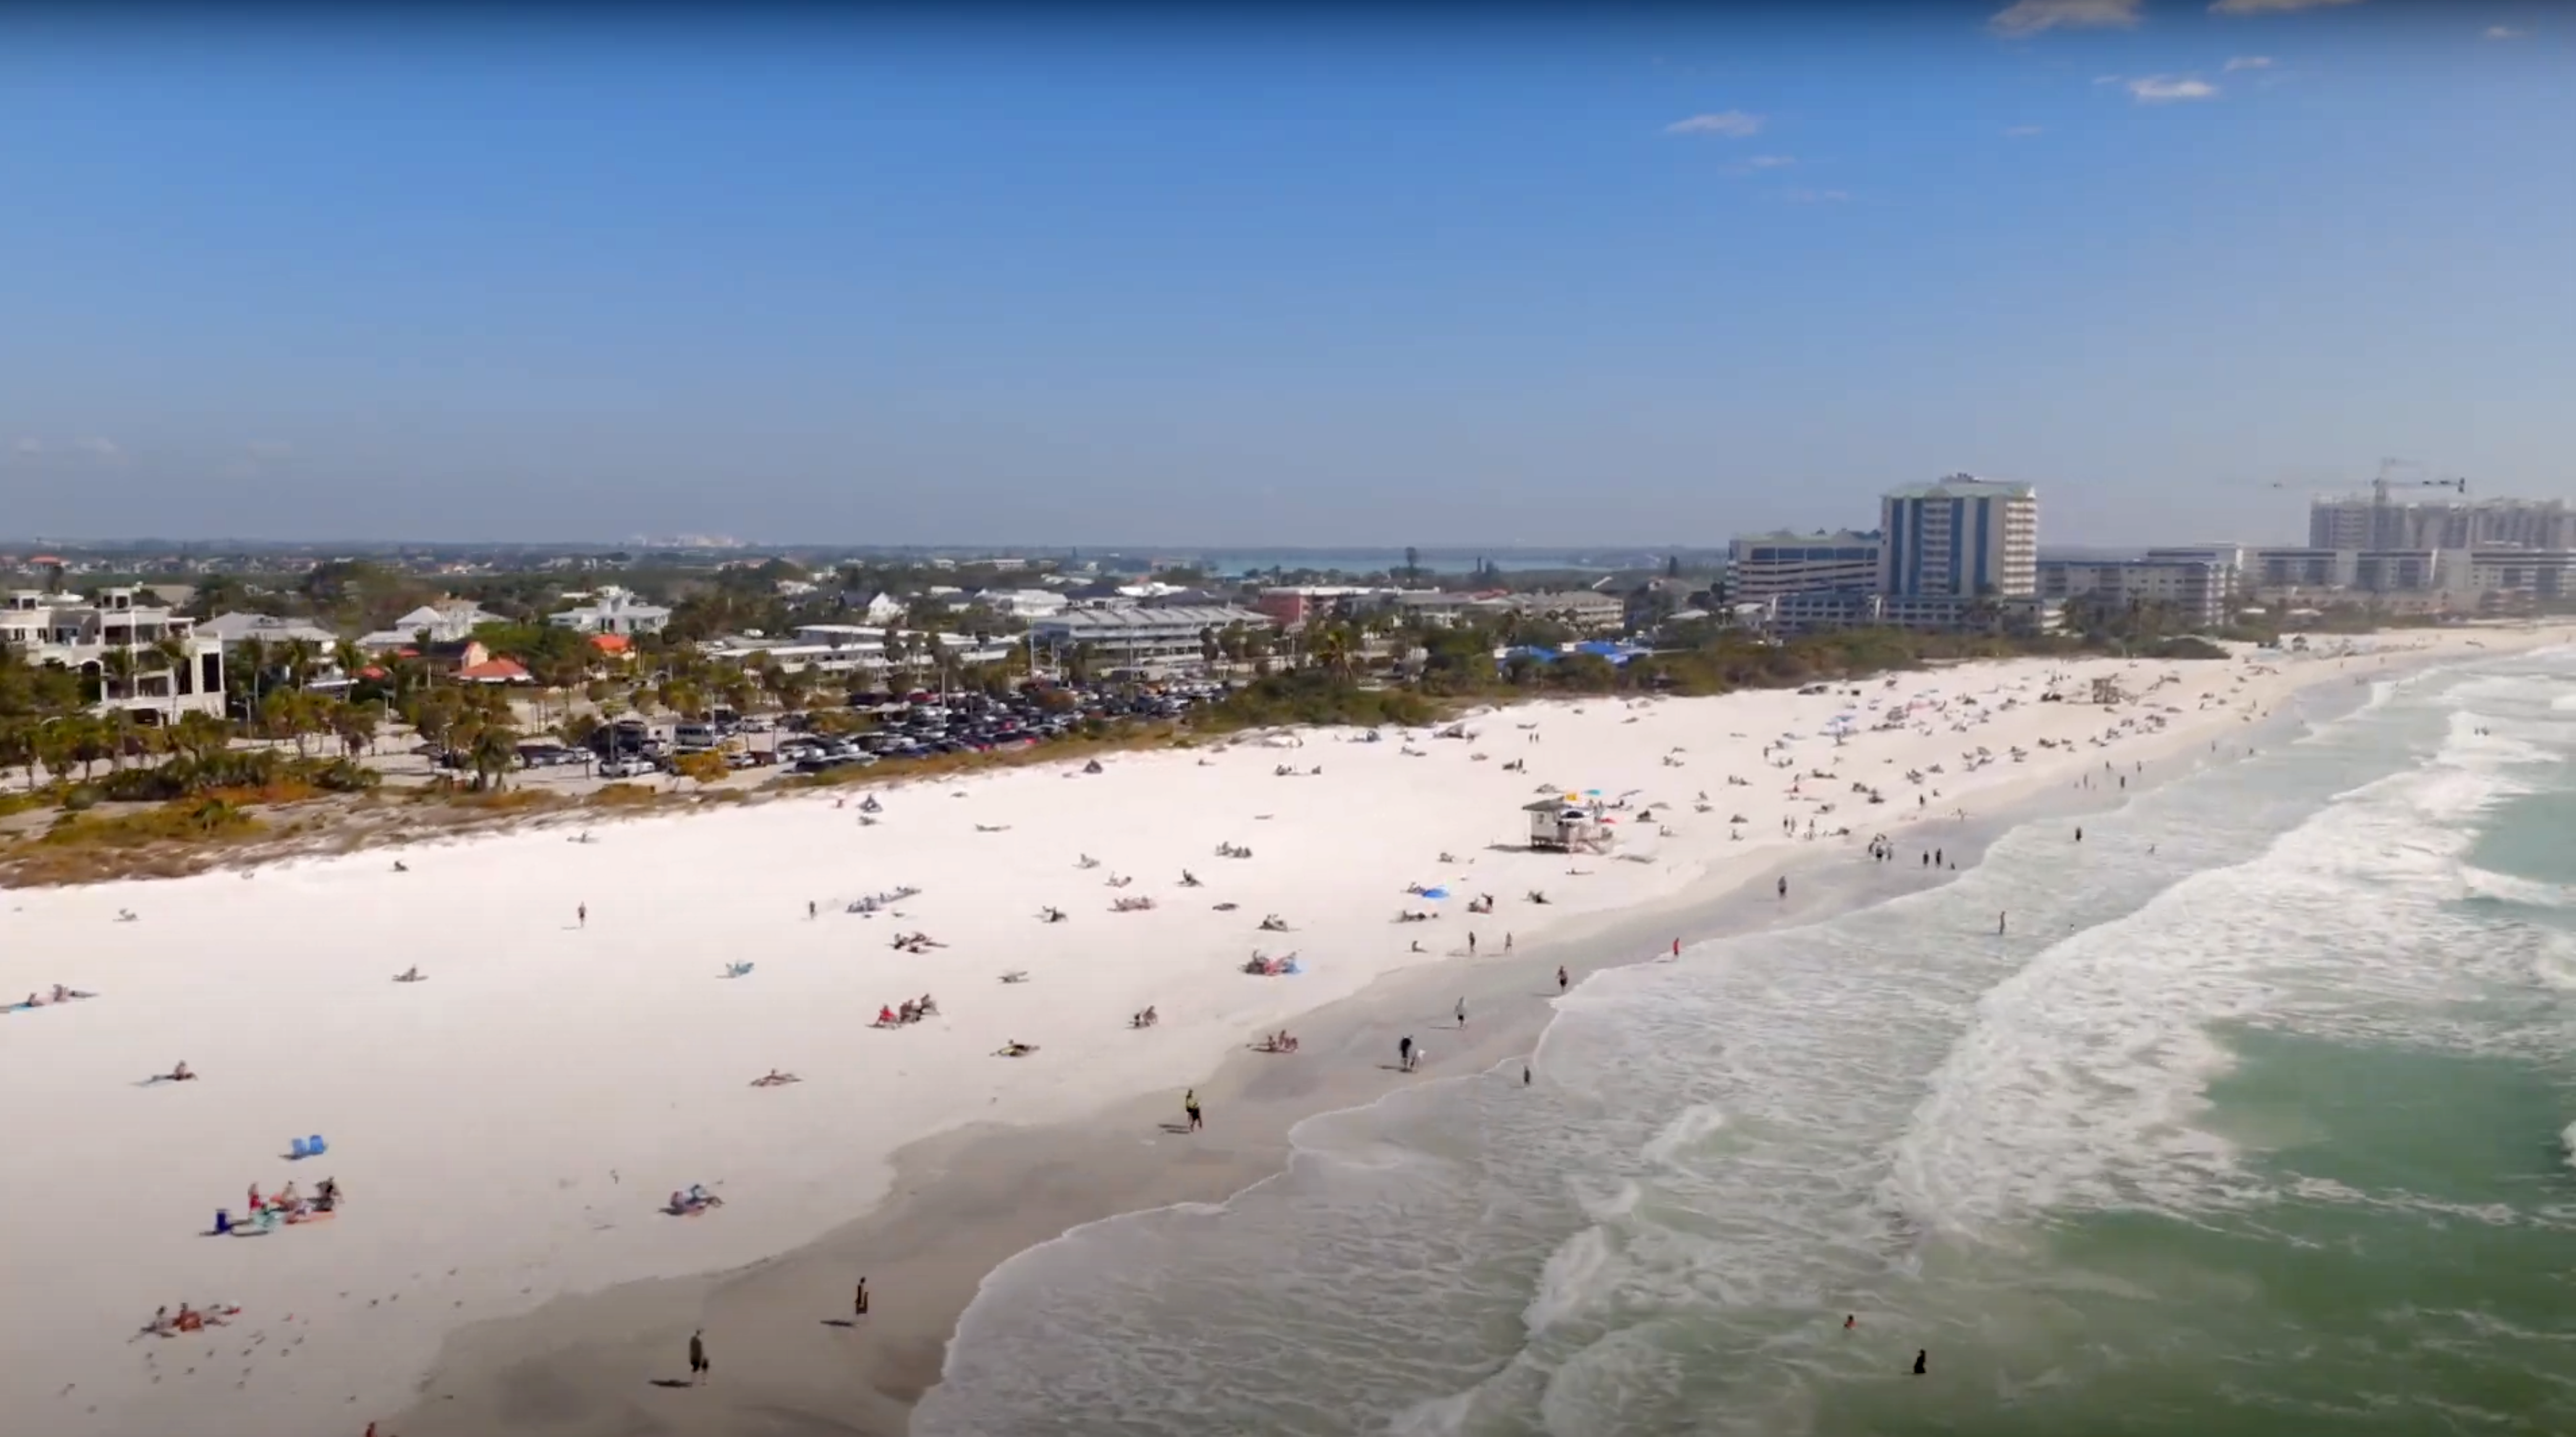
(1434, 893)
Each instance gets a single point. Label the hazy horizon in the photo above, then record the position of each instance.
(1315, 278)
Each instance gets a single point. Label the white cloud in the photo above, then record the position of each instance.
(2029, 17)
(2249, 62)
(2164, 89)
(1772, 162)
(1734, 124)
(2505, 32)
(102, 448)
(2022, 132)
(2106, 79)
(1816, 197)
(2265, 7)
(268, 449)
(29, 446)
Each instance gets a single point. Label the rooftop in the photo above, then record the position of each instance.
(1965, 486)
(1205, 616)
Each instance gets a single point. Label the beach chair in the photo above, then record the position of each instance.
(223, 1221)
(314, 1147)
(299, 1147)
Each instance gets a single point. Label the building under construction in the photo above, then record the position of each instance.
(2398, 513)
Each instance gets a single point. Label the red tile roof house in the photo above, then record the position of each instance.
(493, 671)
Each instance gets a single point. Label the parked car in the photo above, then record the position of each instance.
(628, 768)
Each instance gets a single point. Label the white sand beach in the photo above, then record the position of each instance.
(510, 1128)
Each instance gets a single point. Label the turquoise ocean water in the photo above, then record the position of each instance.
(2266, 1130)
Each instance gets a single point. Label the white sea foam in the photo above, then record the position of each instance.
(1578, 1269)
(2082, 1081)
(1793, 1121)
(1686, 1129)
(2567, 1143)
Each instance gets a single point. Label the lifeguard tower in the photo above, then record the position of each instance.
(1564, 825)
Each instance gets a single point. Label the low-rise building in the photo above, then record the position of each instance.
(1149, 640)
(1928, 613)
(131, 654)
(612, 610)
(1574, 608)
(2507, 577)
(1763, 566)
(1023, 603)
(2194, 592)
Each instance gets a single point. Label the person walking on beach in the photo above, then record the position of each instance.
(2079, 833)
(1404, 1053)
(809, 908)
(1462, 1015)
(859, 1302)
(1784, 885)
(1561, 979)
(581, 915)
(1471, 944)
(698, 1364)
(1999, 922)
(1190, 1106)
(1920, 1356)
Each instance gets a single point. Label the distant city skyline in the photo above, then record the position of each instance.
(1317, 279)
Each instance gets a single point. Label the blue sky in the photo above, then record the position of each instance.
(1314, 277)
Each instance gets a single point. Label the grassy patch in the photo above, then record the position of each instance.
(623, 795)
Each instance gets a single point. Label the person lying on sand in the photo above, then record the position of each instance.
(1272, 923)
(1087, 861)
(692, 1202)
(1015, 1049)
(1016, 975)
(775, 1079)
(886, 1018)
(401, 867)
(1051, 915)
(1146, 1019)
(177, 1074)
(1189, 879)
(1279, 1042)
(411, 974)
(125, 915)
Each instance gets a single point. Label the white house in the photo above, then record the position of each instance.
(448, 621)
(612, 610)
(120, 629)
(1022, 603)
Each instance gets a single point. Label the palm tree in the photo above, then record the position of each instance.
(116, 670)
(252, 657)
(201, 736)
(175, 658)
(300, 654)
(18, 748)
(494, 753)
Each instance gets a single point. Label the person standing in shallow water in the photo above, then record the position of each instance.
(699, 1367)
(1920, 1357)
(859, 1300)
(1561, 979)
(1190, 1106)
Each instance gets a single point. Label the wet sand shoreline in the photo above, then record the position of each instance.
(789, 1359)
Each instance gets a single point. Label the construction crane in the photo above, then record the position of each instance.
(2382, 532)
